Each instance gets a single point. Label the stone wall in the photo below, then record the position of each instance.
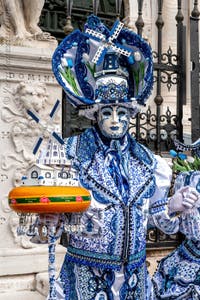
(26, 81)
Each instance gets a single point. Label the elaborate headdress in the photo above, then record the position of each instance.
(102, 66)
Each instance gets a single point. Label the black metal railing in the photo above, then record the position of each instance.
(60, 17)
(155, 129)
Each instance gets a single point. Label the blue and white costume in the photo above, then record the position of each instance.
(178, 274)
(107, 261)
(108, 75)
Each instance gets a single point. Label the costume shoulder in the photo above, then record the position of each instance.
(163, 172)
(159, 199)
(163, 164)
(81, 147)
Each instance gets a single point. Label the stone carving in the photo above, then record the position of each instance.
(2, 220)
(21, 240)
(19, 20)
(23, 133)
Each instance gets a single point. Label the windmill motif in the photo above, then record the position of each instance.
(46, 126)
(106, 43)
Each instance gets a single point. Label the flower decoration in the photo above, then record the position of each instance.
(138, 75)
(91, 66)
(79, 199)
(184, 163)
(65, 70)
(44, 200)
(13, 201)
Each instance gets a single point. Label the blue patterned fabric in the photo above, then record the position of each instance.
(95, 175)
(116, 156)
(86, 283)
(178, 275)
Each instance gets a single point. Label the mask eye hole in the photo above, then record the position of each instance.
(106, 112)
(122, 112)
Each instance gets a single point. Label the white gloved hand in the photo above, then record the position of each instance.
(184, 198)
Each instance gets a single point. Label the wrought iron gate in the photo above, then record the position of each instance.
(157, 130)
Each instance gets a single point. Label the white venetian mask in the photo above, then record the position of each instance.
(113, 121)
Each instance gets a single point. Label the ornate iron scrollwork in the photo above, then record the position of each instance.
(148, 123)
(156, 237)
(168, 66)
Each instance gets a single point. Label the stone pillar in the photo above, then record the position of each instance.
(26, 81)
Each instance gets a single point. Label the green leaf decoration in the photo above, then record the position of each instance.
(136, 76)
(177, 167)
(69, 77)
(185, 165)
(91, 67)
(142, 69)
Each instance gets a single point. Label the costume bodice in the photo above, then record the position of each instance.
(114, 228)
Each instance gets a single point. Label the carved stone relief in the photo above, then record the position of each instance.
(22, 135)
(23, 129)
(21, 240)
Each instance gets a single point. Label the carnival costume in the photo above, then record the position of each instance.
(101, 72)
(178, 274)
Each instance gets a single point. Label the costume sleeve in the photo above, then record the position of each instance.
(190, 223)
(190, 218)
(159, 215)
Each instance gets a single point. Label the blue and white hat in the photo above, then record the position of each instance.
(101, 66)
